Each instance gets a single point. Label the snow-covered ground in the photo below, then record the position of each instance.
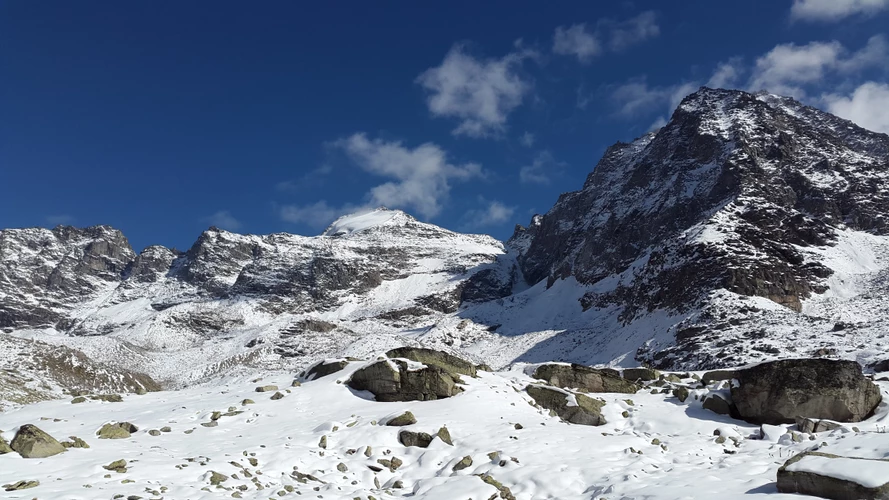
(661, 449)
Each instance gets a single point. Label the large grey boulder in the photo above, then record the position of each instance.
(584, 378)
(31, 442)
(392, 380)
(325, 368)
(831, 476)
(569, 406)
(431, 357)
(777, 392)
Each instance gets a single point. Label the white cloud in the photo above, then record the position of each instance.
(223, 219)
(310, 179)
(493, 213)
(867, 106)
(540, 170)
(787, 68)
(834, 10)
(421, 179)
(479, 92)
(634, 30)
(527, 139)
(576, 41)
(726, 74)
(60, 220)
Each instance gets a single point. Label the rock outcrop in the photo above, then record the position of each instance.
(31, 442)
(396, 380)
(584, 378)
(569, 406)
(780, 391)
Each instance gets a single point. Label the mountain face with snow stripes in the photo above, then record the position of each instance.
(749, 227)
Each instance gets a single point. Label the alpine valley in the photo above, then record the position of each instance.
(749, 228)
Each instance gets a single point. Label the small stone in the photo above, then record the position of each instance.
(267, 388)
(166, 429)
(406, 418)
(119, 466)
(518, 427)
(462, 464)
(154, 432)
(118, 430)
(21, 485)
(277, 396)
(295, 383)
(211, 423)
(342, 467)
(78, 400)
(323, 442)
(216, 478)
(247, 402)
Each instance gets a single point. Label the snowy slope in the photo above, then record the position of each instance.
(662, 449)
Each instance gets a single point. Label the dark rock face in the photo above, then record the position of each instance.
(587, 411)
(323, 369)
(778, 392)
(392, 380)
(583, 378)
(793, 480)
(719, 405)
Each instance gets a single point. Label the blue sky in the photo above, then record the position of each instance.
(163, 118)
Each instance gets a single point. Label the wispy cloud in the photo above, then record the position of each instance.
(313, 178)
(541, 169)
(60, 220)
(727, 74)
(479, 92)
(223, 219)
(585, 43)
(834, 10)
(527, 139)
(491, 213)
(421, 179)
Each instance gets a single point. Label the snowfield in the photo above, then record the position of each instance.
(661, 449)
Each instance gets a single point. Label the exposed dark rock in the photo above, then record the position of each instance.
(584, 378)
(325, 368)
(431, 357)
(643, 374)
(406, 418)
(31, 442)
(718, 404)
(779, 391)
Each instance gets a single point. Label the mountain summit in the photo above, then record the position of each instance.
(749, 227)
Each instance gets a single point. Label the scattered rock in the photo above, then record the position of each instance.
(295, 383)
(247, 402)
(154, 432)
(277, 396)
(406, 418)
(418, 439)
(31, 442)
(323, 442)
(4, 447)
(584, 378)
(216, 478)
(462, 464)
(21, 485)
(117, 430)
(681, 393)
(778, 391)
(392, 464)
(812, 425)
(718, 375)
(166, 428)
(828, 476)
(717, 404)
(211, 423)
(119, 466)
(75, 442)
(445, 436)
(78, 399)
(570, 407)
(342, 467)
(505, 493)
(392, 380)
(267, 388)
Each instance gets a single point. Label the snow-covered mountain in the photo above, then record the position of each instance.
(749, 227)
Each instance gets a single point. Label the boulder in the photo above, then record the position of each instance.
(583, 378)
(718, 404)
(464, 463)
(119, 466)
(4, 447)
(31, 442)
(21, 485)
(423, 439)
(643, 374)
(430, 357)
(393, 380)
(570, 407)
(406, 418)
(267, 388)
(777, 392)
(117, 430)
(325, 368)
(717, 376)
(831, 476)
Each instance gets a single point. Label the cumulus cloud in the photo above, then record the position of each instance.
(223, 219)
(633, 31)
(491, 214)
(541, 169)
(420, 179)
(866, 106)
(481, 93)
(788, 68)
(834, 10)
(575, 40)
